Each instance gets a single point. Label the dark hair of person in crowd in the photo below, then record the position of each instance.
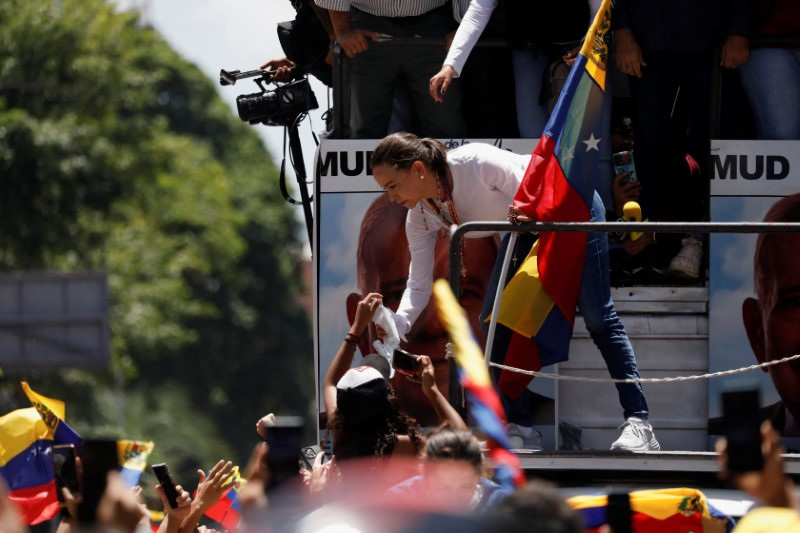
(537, 507)
(446, 442)
(401, 150)
(357, 436)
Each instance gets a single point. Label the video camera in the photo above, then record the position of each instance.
(278, 107)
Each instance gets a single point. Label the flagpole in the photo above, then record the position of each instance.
(512, 241)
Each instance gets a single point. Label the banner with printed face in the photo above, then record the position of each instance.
(360, 247)
(749, 325)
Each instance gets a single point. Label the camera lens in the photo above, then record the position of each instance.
(257, 106)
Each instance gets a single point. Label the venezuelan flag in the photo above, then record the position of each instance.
(26, 437)
(228, 509)
(133, 456)
(656, 511)
(539, 301)
(484, 403)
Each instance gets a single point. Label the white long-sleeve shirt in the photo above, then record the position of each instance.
(471, 27)
(485, 180)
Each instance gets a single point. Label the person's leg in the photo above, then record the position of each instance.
(771, 79)
(438, 120)
(653, 96)
(373, 74)
(529, 69)
(603, 323)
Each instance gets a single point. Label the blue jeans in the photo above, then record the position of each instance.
(529, 70)
(599, 315)
(771, 79)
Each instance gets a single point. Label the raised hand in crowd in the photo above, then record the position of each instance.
(174, 516)
(282, 66)
(263, 423)
(735, 51)
(318, 477)
(625, 192)
(445, 411)
(210, 489)
(770, 486)
(628, 53)
(10, 519)
(252, 496)
(118, 508)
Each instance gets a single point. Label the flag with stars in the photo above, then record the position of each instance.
(540, 299)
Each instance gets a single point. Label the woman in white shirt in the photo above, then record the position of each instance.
(478, 181)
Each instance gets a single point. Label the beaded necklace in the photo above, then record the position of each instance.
(435, 207)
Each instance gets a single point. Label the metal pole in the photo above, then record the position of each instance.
(300, 174)
(498, 296)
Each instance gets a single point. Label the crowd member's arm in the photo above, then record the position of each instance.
(10, 520)
(444, 410)
(353, 41)
(174, 517)
(252, 496)
(770, 486)
(209, 490)
(344, 356)
(469, 30)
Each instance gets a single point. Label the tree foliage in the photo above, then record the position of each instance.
(117, 154)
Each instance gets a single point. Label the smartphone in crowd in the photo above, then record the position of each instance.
(65, 470)
(405, 362)
(98, 458)
(310, 453)
(623, 162)
(285, 439)
(742, 429)
(167, 483)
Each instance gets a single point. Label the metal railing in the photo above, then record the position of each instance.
(457, 233)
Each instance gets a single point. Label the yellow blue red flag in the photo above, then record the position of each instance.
(26, 438)
(539, 301)
(656, 511)
(484, 404)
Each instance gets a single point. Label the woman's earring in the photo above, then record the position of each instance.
(422, 176)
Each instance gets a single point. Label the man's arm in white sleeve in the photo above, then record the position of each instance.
(475, 20)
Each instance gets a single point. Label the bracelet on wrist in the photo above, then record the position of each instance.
(351, 338)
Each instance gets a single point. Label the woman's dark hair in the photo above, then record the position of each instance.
(401, 150)
(446, 442)
(375, 437)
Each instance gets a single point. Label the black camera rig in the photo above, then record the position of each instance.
(277, 107)
(286, 106)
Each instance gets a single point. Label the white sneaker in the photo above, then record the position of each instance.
(524, 438)
(637, 436)
(687, 263)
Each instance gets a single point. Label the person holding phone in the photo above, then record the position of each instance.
(478, 181)
(363, 415)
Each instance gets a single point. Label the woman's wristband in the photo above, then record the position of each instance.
(351, 338)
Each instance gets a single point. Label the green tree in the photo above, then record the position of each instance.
(117, 154)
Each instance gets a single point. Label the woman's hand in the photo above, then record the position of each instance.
(516, 216)
(440, 82)
(365, 311)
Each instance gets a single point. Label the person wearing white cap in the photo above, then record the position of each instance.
(363, 416)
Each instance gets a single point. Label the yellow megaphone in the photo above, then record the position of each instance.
(631, 212)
